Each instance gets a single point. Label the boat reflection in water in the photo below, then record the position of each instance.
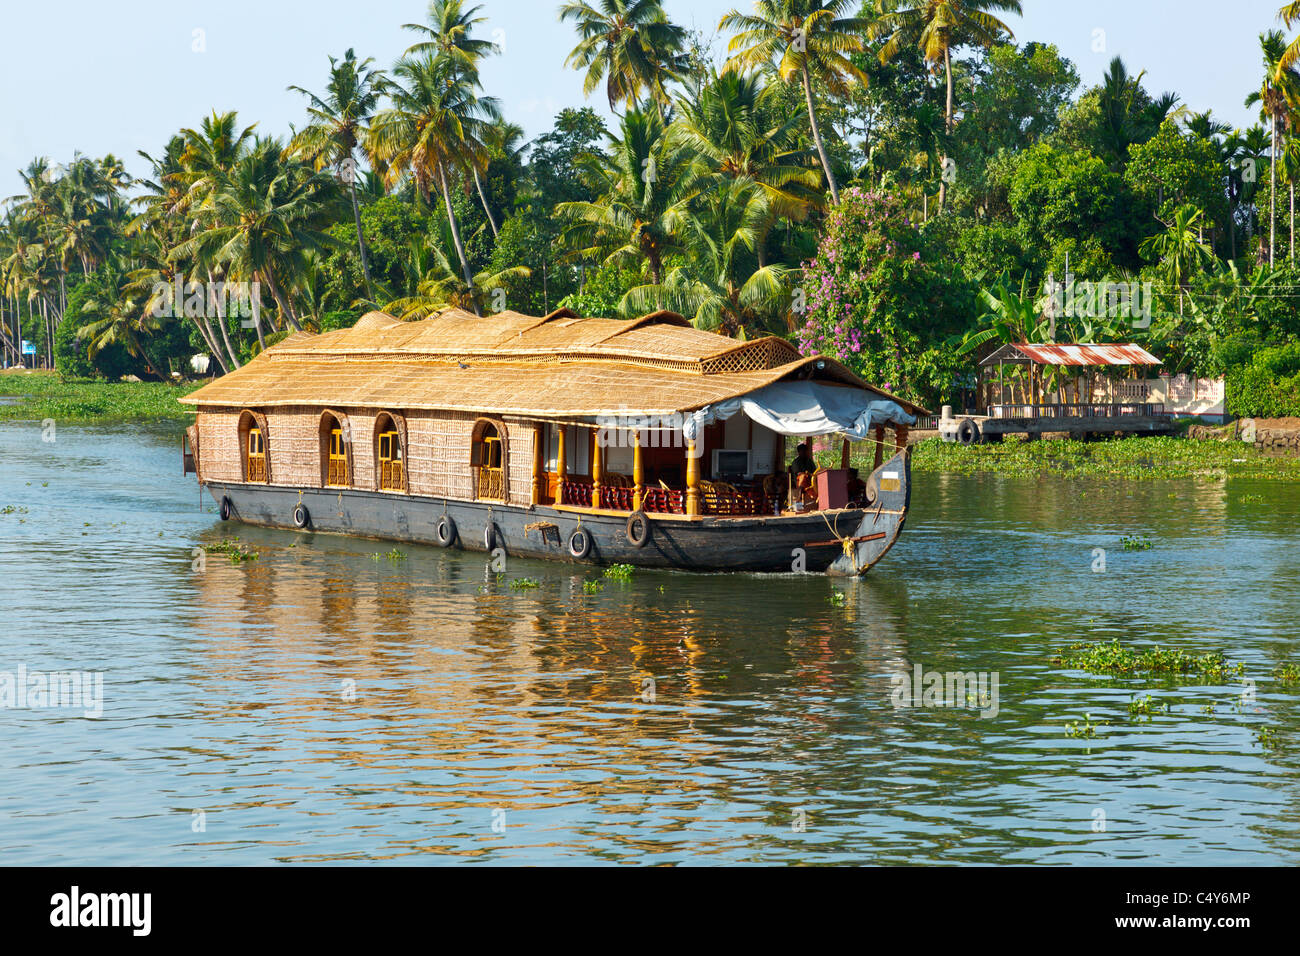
(445, 687)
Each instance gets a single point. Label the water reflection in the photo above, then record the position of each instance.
(330, 702)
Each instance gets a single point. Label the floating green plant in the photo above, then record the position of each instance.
(233, 549)
(393, 555)
(523, 584)
(836, 599)
(1112, 658)
(16, 510)
(1287, 673)
(1133, 542)
(1147, 707)
(1084, 728)
(592, 587)
(620, 572)
(1267, 737)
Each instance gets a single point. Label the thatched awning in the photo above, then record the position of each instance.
(550, 367)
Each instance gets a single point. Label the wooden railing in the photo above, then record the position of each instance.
(1079, 410)
(337, 472)
(616, 499)
(256, 468)
(575, 493)
(391, 477)
(491, 484)
(668, 501)
(661, 501)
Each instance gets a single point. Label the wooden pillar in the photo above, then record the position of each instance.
(539, 464)
(597, 468)
(561, 471)
(900, 438)
(638, 473)
(880, 447)
(692, 480)
(778, 459)
(846, 453)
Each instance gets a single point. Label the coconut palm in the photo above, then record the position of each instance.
(720, 284)
(434, 127)
(122, 318)
(261, 220)
(808, 39)
(339, 121)
(448, 34)
(630, 45)
(449, 39)
(736, 127)
(644, 187)
(1289, 14)
(438, 287)
(937, 27)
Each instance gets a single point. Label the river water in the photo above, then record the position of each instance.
(331, 702)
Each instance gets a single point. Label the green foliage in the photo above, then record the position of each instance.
(877, 302)
(46, 395)
(1113, 658)
(1269, 387)
(1138, 458)
(1071, 202)
(1174, 168)
(620, 572)
(602, 291)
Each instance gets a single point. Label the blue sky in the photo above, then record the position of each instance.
(117, 77)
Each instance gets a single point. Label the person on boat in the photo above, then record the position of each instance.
(801, 472)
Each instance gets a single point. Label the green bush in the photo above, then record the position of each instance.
(1269, 387)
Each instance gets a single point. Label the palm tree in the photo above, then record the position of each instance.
(807, 38)
(938, 27)
(449, 39)
(434, 127)
(448, 35)
(438, 287)
(735, 127)
(262, 219)
(1281, 86)
(629, 44)
(1289, 14)
(122, 316)
(720, 284)
(643, 189)
(1180, 249)
(338, 122)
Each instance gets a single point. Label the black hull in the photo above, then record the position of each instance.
(812, 542)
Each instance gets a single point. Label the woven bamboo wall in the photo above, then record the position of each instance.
(219, 456)
(293, 445)
(443, 438)
(520, 468)
(437, 453)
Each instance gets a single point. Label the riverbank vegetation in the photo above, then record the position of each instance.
(890, 182)
(36, 396)
(1139, 458)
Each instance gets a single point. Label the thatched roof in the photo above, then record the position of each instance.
(553, 366)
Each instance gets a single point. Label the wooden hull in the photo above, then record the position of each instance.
(814, 542)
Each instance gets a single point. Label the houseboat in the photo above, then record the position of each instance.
(642, 441)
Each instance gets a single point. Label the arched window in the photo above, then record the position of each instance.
(252, 441)
(389, 453)
(336, 450)
(488, 460)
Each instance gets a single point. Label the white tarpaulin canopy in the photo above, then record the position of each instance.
(806, 409)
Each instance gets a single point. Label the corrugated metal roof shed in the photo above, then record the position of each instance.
(1083, 355)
